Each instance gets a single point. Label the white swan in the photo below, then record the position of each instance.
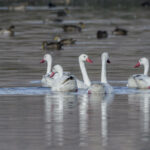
(64, 83)
(86, 81)
(46, 80)
(141, 81)
(104, 86)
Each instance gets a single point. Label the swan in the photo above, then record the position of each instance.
(86, 81)
(104, 86)
(141, 81)
(47, 81)
(64, 83)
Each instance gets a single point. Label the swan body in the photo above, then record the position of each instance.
(100, 88)
(64, 83)
(104, 86)
(141, 81)
(81, 84)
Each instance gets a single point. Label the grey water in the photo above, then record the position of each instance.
(33, 117)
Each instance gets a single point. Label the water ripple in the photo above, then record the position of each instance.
(43, 90)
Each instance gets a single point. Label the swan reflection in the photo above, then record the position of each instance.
(71, 116)
(143, 100)
(83, 118)
(55, 110)
(91, 105)
(54, 114)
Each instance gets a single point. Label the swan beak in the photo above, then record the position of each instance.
(137, 65)
(89, 60)
(108, 61)
(42, 61)
(52, 74)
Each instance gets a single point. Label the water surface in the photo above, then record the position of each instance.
(33, 117)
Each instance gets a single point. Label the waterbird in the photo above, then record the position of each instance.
(119, 31)
(141, 81)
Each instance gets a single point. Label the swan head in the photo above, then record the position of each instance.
(84, 57)
(47, 57)
(105, 57)
(57, 69)
(142, 61)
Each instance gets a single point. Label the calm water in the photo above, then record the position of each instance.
(32, 117)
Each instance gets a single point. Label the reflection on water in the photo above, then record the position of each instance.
(83, 119)
(54, 113)
(144, 101)
(79, 121)
(69, 115)
(105, 100)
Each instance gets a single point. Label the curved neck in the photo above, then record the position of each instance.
(84, 73)
(146, 68)
(49, 66)
(103, 72)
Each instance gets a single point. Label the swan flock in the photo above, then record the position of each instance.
(58, 80)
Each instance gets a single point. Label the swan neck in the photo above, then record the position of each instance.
(103, 72)
(84, 73)
(49, 66)
(146, 68)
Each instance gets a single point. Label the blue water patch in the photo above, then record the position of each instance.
(24, 91)
(126, 90)
(35, 82)
(44, 90)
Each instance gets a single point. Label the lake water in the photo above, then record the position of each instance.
(32, 117)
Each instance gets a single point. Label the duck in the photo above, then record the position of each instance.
(145, 4)
(102, 87)
(51, 45)
(102, 34)
(67, 41)
(51, 5)
(18, 7)
(64, 83)
(73, 28)
(8, 32)
(119, 31)
(141, 81)
(62, 13)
